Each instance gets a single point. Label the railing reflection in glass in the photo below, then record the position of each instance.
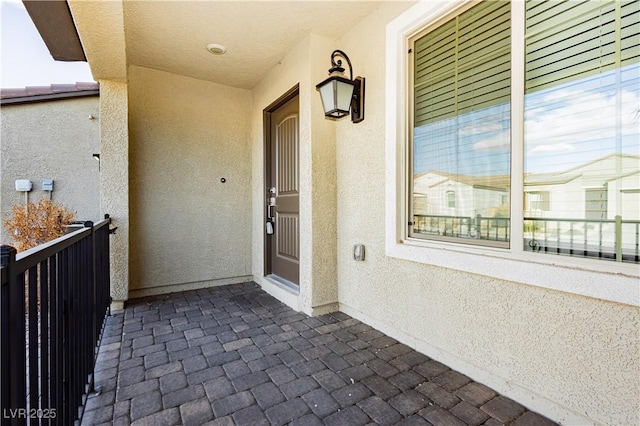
(617, 240)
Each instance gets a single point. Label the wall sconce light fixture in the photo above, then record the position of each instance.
(340, 94)
(96, 157)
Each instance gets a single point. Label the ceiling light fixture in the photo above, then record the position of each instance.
(216, 49)
(339, 94)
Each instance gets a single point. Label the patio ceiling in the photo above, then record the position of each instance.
(172, 35)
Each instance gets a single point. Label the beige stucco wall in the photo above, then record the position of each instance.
(570, 357)
(100, 25)
(114, 181)
(53, 140)
(188, 229)
(304, 66)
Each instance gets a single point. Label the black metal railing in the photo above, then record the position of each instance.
(54, 299)
(478, 227)
(614, 239)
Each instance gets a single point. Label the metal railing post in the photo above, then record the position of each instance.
(618, 238)
(107, 276)
(13, 337)
(94, 305)
(5, 306)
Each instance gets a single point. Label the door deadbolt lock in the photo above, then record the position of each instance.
(271, 203)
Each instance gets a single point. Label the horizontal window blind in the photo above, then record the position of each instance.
(461, 128)
(463, 65)
(571, 40)
(629, 32)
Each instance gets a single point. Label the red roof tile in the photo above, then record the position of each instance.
(50, 92)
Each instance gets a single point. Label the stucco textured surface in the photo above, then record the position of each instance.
(100, 25)
(573, 358)
(157, 30)
(318, 274)
(114, 179)
(188, 227)
(324, 186)
(52, 140)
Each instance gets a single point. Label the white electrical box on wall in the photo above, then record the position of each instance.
(23, 185)
(47, 184)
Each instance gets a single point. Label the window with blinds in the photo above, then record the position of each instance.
(461, 128)
(582, 128)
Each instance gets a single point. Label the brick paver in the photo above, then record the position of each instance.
(233, 355)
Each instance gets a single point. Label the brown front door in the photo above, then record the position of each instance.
(282, 222)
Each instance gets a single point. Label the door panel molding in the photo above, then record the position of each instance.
(287, 155)
(288, 241)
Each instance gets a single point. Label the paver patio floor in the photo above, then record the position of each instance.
(235, 355)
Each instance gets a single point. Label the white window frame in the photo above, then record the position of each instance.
(451, 199)
(613, 281)
(537, 200)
